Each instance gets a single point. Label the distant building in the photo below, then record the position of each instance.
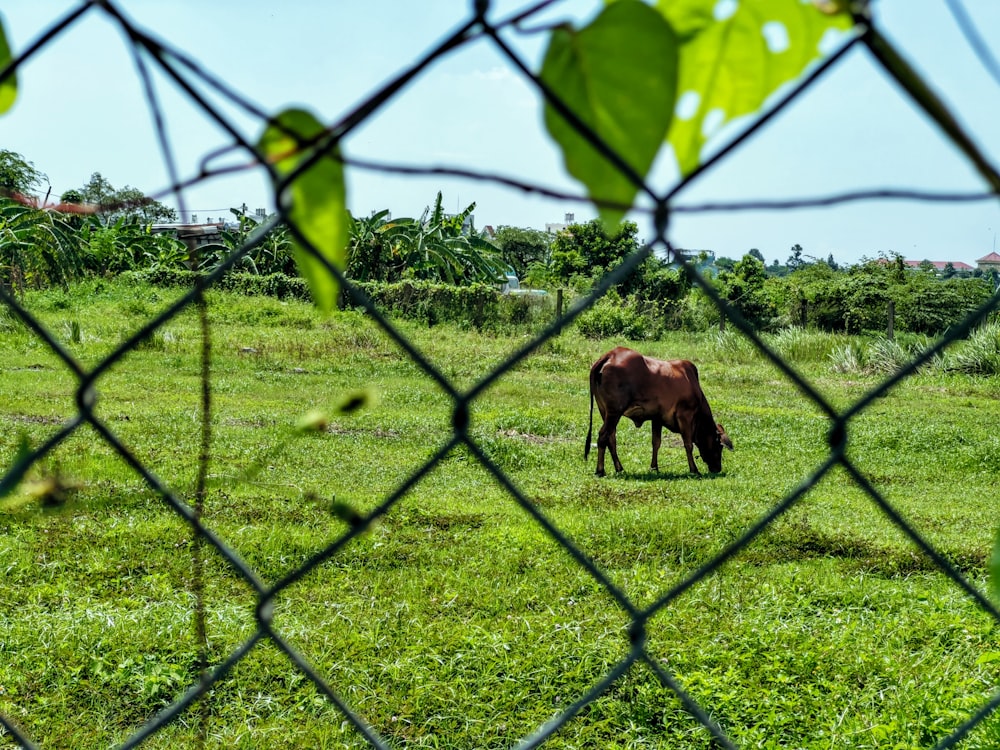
(192, 235)
(694, 255)
(939, 265)
(989, 262)
(557, 228)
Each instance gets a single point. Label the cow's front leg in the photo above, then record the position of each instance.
(608, 438)
(657, 439)
(689, 447)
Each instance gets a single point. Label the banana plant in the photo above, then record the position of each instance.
(373, 248)
(439, 248)
(37, 247)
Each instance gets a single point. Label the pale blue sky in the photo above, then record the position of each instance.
(81, 110)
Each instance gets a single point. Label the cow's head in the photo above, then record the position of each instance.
(710, 441)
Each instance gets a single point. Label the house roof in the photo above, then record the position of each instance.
(940, 264)
(991, 258)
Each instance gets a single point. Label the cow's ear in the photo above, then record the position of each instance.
(724, 437)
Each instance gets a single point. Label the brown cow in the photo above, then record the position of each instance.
(627, 384)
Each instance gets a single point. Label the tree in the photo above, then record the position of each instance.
(795, 259)
(725, 264)
(754, 252)
(929, 305)
(520, 248)
(745, 290)
(811, 296)
(18, 177)
(655, 281)
(585, 249)
(111, 203)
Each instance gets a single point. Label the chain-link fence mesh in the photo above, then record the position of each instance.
(149, 53)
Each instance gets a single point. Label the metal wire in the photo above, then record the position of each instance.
(188, 75)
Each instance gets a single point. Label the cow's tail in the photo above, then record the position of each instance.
(595, 382)
(590, 427)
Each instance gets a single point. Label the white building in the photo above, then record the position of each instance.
(557, 228)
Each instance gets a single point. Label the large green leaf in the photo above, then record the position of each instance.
(618, 75)
(729, 66)
(8, 86)
(315, 202)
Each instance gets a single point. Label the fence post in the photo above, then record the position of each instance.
(892, 320)
(559, 307)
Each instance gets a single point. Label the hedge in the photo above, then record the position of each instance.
(478, 305)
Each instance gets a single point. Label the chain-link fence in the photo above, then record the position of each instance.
(148, 52)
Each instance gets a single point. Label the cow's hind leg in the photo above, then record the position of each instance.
(608, 438)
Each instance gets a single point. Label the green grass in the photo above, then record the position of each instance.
(456, 621)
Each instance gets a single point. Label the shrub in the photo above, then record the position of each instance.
(434, 303)
(276, 285)
(609, 318)
(847, 358)
(162, 277)
(800, 345)
(930, 305)
(10, 323)
(878, 356)
(887, 356)
(697, 312)
(478, 305)
(979, 355)
(733, 346)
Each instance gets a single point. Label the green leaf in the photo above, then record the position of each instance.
(619, 77)
(315, 202)
(313, 421)
(8, 86)
(356, 400)
(730, 66)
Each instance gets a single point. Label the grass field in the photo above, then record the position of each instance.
(457, 621)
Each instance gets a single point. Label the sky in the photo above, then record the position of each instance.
(81, 109)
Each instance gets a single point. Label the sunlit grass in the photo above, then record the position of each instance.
(456, 620)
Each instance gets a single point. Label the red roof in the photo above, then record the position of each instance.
(991, 258)
(940, 264)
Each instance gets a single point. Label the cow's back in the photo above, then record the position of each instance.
(617, 378)
(673, 388)
(628, 383)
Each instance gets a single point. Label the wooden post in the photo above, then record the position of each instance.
(892, 320)
(559, 307)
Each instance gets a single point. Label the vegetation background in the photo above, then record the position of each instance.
(230, 520)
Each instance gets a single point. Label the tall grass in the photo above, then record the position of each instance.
(882, 356)
(979, 355)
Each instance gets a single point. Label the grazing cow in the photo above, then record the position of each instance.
(627, 384)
